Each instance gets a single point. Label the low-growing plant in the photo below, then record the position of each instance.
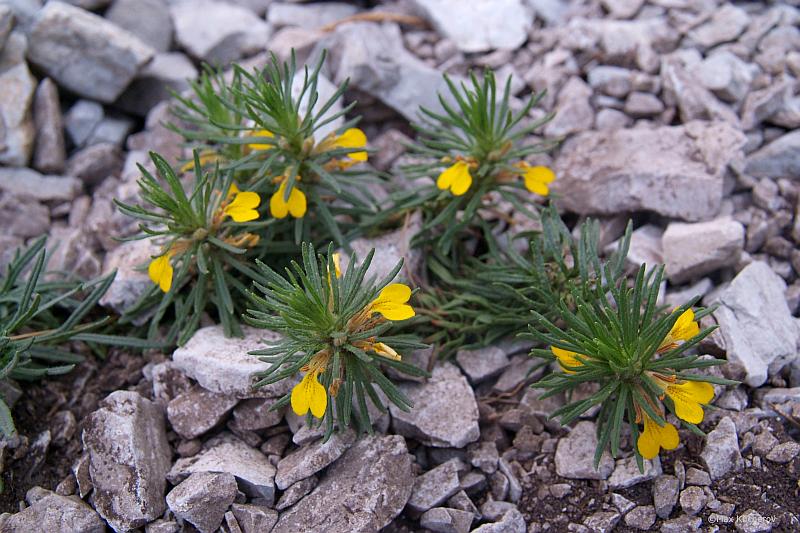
(37, 316)
(474, 151)
(492, 297)
(205, 240)
(638, 356)
(271, 130)
(336, 329)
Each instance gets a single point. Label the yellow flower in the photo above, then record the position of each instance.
(683, 330)
(296, 204)
(566, 359)
(654, 437)
(243, 206)
(352, 138)
(309, 394)
(537, 178)
(688, 398)
(336, 267)
(386, 351)
(391, 302)
(259, 146)
(160, 272)
(456, 177)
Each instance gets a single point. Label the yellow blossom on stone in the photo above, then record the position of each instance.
(456, 178)
(352, 138)
(296, 205)
(243, 206)
(309, 394)
(654, 437)
(386, 351)
(160, 271)
(566, 359)
(260, 146)
(537, 178)
(683, 330)
(391, 302)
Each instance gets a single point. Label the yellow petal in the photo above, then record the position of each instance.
(566, 359)
(685, 327)
(336, 267)
(353, 138)
(297, 202)
(261, 133)
(233, 191)
(456, 178)
(396, 292)
(160, 271)
(393, 311)
(655, 437)
(537, 178)
(309, 394)
(277, 205)
(687, 398)
(242, 208)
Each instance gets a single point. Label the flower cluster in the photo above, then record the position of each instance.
(638, 357)
(334, 328)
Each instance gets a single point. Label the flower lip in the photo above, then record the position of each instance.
(456, 178)
(352, 138)
(391, 302)
(243, 206)
(309, 394)
(654, 437)
(567, 359)
(160, 271)
(295, 206)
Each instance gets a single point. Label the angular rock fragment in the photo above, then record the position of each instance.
(575, 454)
(17, 131)
(49, 511)
(223, 365)
(778, 159)
(480, 365)
(721, 453)
(49, 152)
(226, 453)
(202, 499)
(129, 457)
(149, 20)
(308, 460)
(676, 171)
(196, 411)
(84, 52)
(361, 492)
(759, 332)
(445, 413)
(254, 518)
(435, 486)
(479, 26)
(693, 250)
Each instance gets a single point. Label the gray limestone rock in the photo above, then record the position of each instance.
(778, 159)
(310, 17)
(223, 365)
(445, 413)
(85, 53)
(626, 474)
(480, 25)
(226, 453)
(435, 486)
(482, 364)
(641, 517)
(694, 250)
(194, 412)
(665, 494)
(254, 518)
(129, 457)
(444, 520)
(17, 131)
(218, 32)
(310, 459)
(676, 171)
(759, 332)
(49, 511)
(361, 492)
(49, 152)
(202, 499)
(149, 20)
(725, 25)
(575, 454)
(168, 71)
(721, 453)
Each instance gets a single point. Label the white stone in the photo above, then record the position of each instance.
(725, 25)
(17, 132)
(444, 412)
(721, 453)
(218, 32)
(311, 17)
(676, 171)
(778, 159)
(693, 250)
(760, 333)
(480, 25)
(222, 364)
(575, 454)
(27, 182)
(84, 52)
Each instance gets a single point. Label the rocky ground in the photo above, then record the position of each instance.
(681, 114)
